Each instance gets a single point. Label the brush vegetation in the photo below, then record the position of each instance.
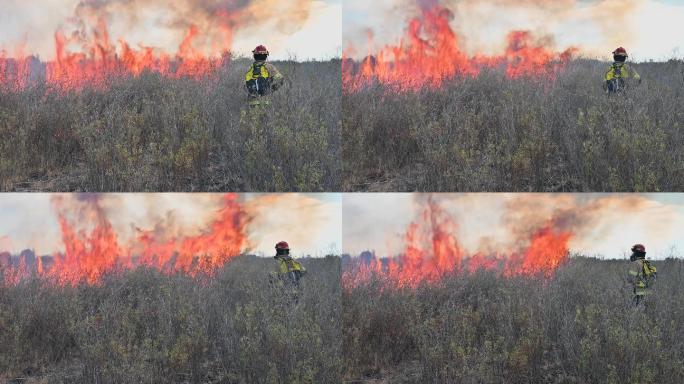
(152, 133)
(491, 133)
(578, 327)
(146, 327)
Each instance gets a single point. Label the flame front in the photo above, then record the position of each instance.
(102, 63)
(90, 254)
(204, 253)
(432, 252)
(14, 72)
(430, 53)
(98, 61)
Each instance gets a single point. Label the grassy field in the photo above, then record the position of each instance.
(151, 133)
(491, 133)
(578, 327)
(144, 326)
(147, 327)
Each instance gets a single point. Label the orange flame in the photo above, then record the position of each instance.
(430, 54)
(225, 239)
(15, 72)
(13, 275)
(98, 62)
(432, 252)
(548, 249)
(89, 255)
(101, 64)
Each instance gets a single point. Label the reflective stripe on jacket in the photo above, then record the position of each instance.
(642, 274)
(621, 71)
(260, 69)
(288, 264)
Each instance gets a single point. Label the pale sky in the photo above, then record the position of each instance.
(379, 221)
(320, 36)
(318, 224)
(649, 29)
(309, 222)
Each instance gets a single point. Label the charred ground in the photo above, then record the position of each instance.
(577, 327)
(145, 326)
(153, 133)
(493, 133)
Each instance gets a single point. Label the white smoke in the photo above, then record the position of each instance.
(649, 29)
(310, 223)
(302, 28)
(603, 224)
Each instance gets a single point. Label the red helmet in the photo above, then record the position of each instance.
(638, 248)
(620, 52)
(282, 245)
(260, 50)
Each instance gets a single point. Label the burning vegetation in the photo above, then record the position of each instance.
(87, 56)
(101, 61)
(432, 111)
(149, 95)
(432, 252)
(523, 235)
(431, 53)
(94, 250)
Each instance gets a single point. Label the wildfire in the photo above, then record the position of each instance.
(433, 252)
(89, 254)
(87, 56)
(430, 53)
(14, 72)
(98, 61)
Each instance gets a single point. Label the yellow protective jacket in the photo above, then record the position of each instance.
(287, 264)
(262, 78)
(642, 274)
(621, 71)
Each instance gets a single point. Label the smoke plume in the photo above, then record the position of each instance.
(599, 25)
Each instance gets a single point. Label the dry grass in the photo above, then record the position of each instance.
(579, 327)
(157, 134)
(491, 133)
(146, 327)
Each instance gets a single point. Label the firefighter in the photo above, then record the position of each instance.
(261, 79)
(289, 270)
(642, 274)
(618, 73)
